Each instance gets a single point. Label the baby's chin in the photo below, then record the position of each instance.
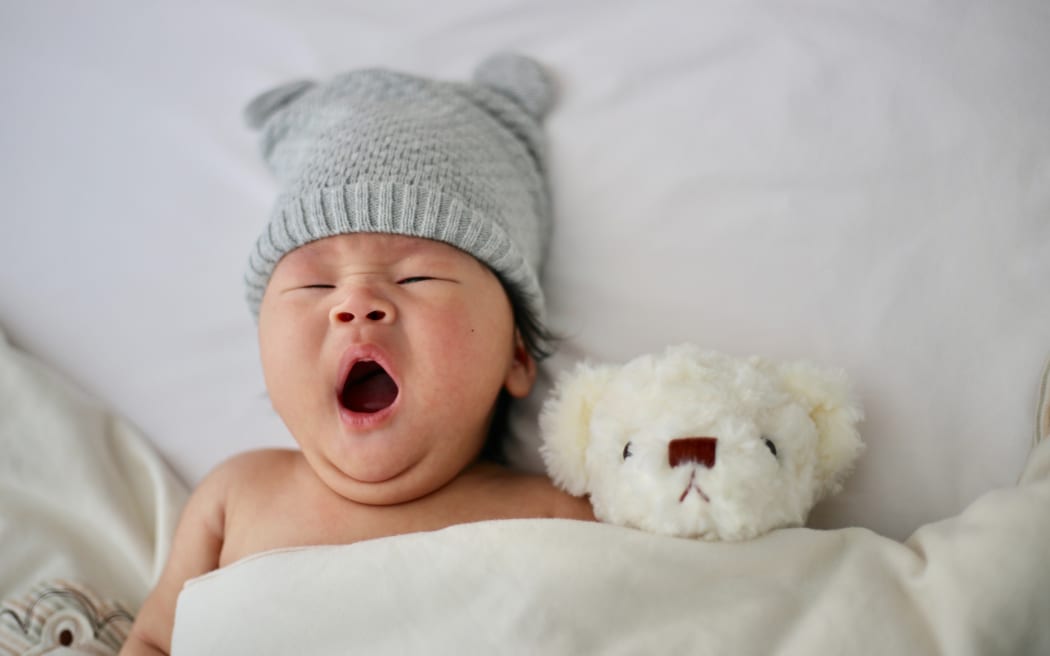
(391, 483)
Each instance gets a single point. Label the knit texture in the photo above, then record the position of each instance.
(381, 151)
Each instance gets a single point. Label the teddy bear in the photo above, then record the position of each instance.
(700, 444)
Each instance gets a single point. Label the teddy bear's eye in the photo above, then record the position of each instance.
(627, 451)
(769, 445)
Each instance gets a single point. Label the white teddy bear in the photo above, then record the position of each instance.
(695, 443)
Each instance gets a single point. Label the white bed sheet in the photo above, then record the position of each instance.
(865, 184)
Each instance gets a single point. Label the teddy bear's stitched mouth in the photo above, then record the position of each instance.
(368, 388)
(693, 485)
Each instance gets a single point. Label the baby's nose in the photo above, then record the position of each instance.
(347, 317)
(364, 307)
(692, 449)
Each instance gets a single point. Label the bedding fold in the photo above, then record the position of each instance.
(83, 496)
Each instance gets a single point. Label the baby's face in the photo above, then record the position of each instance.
(384, 355)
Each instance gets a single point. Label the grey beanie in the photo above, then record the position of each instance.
(380, 151)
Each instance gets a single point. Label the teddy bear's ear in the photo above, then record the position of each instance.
(836, 412)
(565, 424)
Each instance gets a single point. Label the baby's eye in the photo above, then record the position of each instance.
(318, 286)
(412, 279)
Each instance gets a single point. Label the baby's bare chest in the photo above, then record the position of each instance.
(255, 526)
(293, 517)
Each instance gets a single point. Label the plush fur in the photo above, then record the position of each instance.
(607, 430)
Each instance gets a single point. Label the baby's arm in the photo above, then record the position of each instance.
(567, 506)
(195, 551)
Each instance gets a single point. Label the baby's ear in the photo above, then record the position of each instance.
(836, 412)
(565, 424)
(268, 103)
(522, 372)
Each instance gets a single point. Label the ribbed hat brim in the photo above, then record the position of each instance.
(392, 208)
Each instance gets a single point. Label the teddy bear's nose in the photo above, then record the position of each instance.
(692, 449)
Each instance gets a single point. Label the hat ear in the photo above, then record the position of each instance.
(268, 103)
(836, 412)
(565, 424)
(520, 78)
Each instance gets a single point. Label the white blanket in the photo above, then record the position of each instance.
(975, 584)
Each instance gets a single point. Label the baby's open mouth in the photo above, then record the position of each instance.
(368, 388)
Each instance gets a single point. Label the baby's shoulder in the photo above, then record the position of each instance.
(252, 483)
(261, 465)
(252, 461)
(529, 495)
(246, 473)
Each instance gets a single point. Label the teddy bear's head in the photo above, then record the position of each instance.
(700, 444)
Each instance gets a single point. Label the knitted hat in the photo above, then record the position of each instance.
(380, 151)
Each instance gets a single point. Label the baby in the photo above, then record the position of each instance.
(398, 308)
